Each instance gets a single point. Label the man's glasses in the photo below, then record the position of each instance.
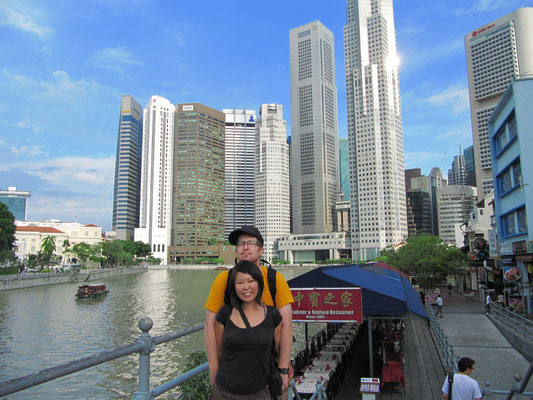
(241, 243)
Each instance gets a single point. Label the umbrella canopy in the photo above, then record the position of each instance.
(384, 291)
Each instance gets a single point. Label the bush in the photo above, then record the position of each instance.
(9, 271)
(198, 387)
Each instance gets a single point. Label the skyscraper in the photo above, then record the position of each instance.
(470, 167)
(16, 202)
(198, 202)
(127, 187)
(314, 128)
(495, 54)
(272, 188)
(239, 169)
(457, 173)
(344, 168)
(378, 202)
(156, 176)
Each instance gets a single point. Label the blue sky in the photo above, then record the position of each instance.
(64, 66)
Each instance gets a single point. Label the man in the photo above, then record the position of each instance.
(463, 387)
(440, 303)
(487, 304)
(248, 243)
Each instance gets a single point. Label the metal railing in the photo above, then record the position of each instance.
(144, 345)
(446, 347)
(513, 320)
(451, 358)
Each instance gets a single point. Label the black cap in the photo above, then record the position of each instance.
(247, 229)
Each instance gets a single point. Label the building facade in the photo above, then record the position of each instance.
(470, 166)
(313, 128)
(431, 184)
(344, 169)
(272, 186)
(239, 156)
(311, 248)
(198, 182)
(495, 54)
(16, 202)
(378, 214)
(457, 173)
(511, 136)
(455, 205)
(127, 189)
(156, 176)
(30, 234)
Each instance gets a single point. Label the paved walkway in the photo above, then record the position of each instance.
(473, 335)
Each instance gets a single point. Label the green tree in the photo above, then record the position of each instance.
(82, 251)
(7, 233)
(198, 387)
(48, 245)
(142, 249)
(427, 257)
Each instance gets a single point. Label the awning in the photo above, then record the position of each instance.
(385, 292)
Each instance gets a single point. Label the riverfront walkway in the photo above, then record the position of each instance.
(473, 335)
(423, 370)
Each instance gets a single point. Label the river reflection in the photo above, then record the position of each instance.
(45, 326)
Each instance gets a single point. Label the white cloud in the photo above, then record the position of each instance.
(60, 89)
(28, 150)
(176, 37)
(114, 58)
(16, 14)
(34, 126)
(459, 134)
(454, 97)
(82, 175)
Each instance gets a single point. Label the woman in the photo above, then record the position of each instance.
(241, 374)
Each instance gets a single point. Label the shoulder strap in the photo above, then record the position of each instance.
(450, 385)
(249, 330)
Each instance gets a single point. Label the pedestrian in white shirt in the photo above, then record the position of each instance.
(487, 304)
(440, 303)
(463, 386)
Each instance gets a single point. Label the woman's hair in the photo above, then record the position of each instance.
(245, 267)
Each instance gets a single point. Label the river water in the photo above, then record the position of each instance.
(45, 326)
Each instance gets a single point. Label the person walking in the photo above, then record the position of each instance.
(487, 304)
(463, 386)
(450, 287)
(248, 243)
(440, 303)
(241, 349)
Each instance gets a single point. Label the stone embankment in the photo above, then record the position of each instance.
(32, 280)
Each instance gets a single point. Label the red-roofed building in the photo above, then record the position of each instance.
(29, 235)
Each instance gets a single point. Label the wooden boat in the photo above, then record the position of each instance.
(91, 291)
(221, 268)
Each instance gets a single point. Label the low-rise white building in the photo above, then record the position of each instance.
(30, 234)
(314, 247)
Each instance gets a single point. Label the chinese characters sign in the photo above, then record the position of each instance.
(327, 305)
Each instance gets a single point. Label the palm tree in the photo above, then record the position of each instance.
(66, 251)
(49, 245)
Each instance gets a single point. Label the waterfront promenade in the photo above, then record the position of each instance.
(473, 335)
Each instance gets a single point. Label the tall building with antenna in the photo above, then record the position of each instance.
(378, 206)
(496, 53)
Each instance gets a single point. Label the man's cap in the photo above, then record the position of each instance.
(247, 229)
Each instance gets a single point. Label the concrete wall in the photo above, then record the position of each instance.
(30, 280)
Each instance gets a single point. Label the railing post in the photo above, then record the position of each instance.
(143, 391)
(488, 391)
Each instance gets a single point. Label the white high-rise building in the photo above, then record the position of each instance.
(455, 204)
(377, 181)
(272, 188)
(155, 216)
(239, 169)
(495, 54)
(314, 148)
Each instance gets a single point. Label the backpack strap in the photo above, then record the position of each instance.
(450, 385)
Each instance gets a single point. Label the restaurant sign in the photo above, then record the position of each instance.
(327, 305)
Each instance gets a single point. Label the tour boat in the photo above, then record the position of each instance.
(91, 291)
